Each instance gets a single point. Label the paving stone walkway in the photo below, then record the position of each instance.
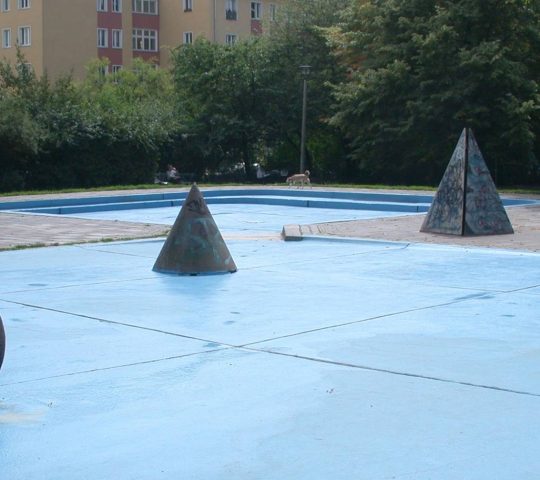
(23, 230)
(525, 221)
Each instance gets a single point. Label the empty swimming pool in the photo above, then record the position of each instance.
(316, 360)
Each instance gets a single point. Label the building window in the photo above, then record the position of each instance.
(272, 11)
(117, 6)
(102, 38)
(102, 5)
(145, 6)
(6, 38)
(230, 10)
(230, 39)
(23, 4)
(5, 5)
(256, 9)
(24, 36)
(188, 5)
(117, 39)
(116, 68)
(188, 38)
(144, 40)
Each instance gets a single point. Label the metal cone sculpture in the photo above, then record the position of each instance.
(2, 342)
(194, 244)
(467, 202)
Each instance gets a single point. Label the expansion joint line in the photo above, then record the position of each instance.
(74, 285)
(522, 289)
(114, 322)
(250, 347)
(113, 367)
(369, 319)
(395, 372)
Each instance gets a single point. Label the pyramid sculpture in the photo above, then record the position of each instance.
(194, 244)
(467, 202)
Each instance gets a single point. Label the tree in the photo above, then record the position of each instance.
(19, 136)
(219, 90)
(298, 37)
(106, 130)
(421, 70)
(131, 116)
(244, 102)
(20, 133)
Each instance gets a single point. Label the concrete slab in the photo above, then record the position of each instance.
(301, 289)
(46, 344)
(458, 342)
(231, 415)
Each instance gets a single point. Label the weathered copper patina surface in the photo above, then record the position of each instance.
(194, 244)
(467, 201)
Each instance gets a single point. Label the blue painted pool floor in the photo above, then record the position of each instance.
(234, 218)
(316, 360)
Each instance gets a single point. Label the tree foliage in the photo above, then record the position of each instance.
(421, 70)
(219, 90)
(105, 130)
(244, 102)
(298, 37)
(392, 84)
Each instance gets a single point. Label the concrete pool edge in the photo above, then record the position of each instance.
(413, 202)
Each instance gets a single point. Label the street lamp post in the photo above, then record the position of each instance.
(305, 72)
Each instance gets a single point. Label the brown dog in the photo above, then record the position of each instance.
(301, 178)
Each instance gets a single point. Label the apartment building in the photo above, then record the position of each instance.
(61, 36)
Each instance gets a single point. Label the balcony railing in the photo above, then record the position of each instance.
(230, 14)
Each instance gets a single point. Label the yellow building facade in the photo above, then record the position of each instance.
(62, 36)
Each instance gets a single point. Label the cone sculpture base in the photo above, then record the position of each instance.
(467, 202)
(194, 245)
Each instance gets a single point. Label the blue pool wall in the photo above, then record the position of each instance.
(398, 202)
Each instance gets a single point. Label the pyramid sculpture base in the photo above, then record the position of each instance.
(467, 202)
(194, 245)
